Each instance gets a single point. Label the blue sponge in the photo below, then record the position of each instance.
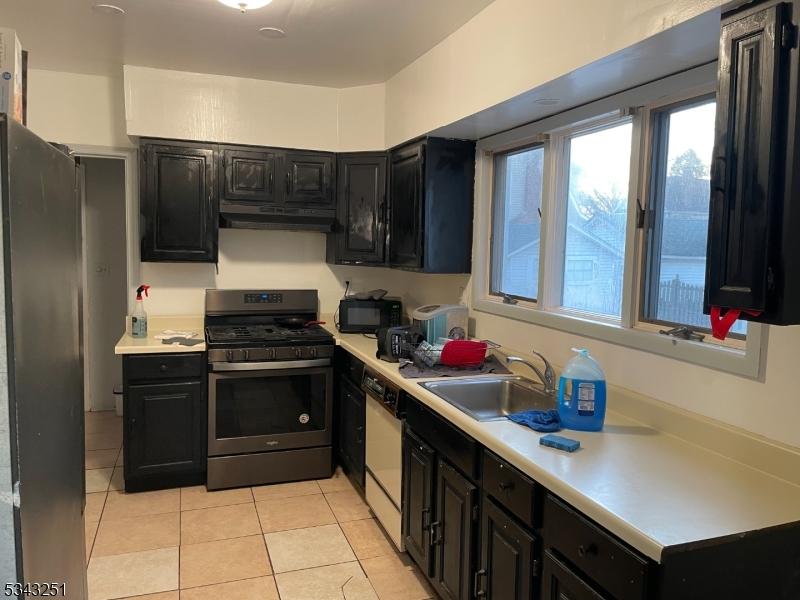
(559, 442)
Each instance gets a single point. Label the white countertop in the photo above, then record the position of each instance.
(651, 489)
(156, 324)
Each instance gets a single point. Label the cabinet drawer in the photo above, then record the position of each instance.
(459, 449)
(349, 366)
(164, 366)
(512, 489)
(558, 581)
(612, 565)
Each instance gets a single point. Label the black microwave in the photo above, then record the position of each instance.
(366, 316)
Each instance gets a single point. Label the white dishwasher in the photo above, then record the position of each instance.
(384, 454)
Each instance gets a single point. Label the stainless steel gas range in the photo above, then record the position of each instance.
(270, 388)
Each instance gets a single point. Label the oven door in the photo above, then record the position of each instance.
(269, 408)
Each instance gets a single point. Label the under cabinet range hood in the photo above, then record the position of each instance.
(255, 216)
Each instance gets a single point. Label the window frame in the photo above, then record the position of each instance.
(649, 252)
(740, 357)
(540, 142)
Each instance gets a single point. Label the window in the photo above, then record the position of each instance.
(517, 223)
(597, 211)
(677, 229)
(596, 220)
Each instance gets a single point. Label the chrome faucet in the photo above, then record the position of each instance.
(548, 378)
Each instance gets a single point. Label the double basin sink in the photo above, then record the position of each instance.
(491, 398)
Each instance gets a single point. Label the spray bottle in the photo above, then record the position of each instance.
(139, 316)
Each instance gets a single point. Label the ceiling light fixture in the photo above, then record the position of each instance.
(108, 9)
(245, 5)
(272, 32)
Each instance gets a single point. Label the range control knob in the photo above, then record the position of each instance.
(270, 353)
(312, 352)
(298, 352)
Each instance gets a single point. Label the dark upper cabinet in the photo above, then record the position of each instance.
(419, 468)
(753, 250)
(309, 179)
(405, 217)
(507, 565)
(360, 231)
(431, 188)
(453, 532)
(179, 202)
(248, 174)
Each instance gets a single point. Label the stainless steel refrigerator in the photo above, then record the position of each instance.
(41, 280)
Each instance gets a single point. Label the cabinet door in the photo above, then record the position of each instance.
(249, 175)
(406, 182)
(507, 563)
(454, 533)
(179, 203)
(561, 583)
(308, 179)
(352, 420)
(418, 481)
(165, 429)
(361, 197)
(743, 174)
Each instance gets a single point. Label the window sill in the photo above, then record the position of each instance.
(744, 362)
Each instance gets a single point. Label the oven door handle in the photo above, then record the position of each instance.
(272, 365)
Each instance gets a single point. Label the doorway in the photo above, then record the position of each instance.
(105, 285)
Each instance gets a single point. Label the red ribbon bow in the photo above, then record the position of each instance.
(721, 324)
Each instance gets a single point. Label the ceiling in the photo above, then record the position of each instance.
(338, 43)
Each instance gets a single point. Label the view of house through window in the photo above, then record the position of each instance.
(597, 209)
(517, 222)
(680, 191)
(589, 165)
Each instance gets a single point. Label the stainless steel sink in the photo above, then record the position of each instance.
(492, 398)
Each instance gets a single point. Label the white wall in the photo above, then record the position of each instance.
(284, 259)
(198, 106)
(513, 46)
(72, 108)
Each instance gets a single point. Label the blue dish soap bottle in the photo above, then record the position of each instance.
(582, 393)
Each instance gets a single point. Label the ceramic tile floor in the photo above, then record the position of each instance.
(311, 540)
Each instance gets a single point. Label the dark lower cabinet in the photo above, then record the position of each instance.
(507, 568)
(164, 423)
(559, 582)
(179, 202)
(440, 509)
(454, 532)
(351, 425)
(419, 466)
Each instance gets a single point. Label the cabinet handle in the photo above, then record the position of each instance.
(163, 367)
(506, 486)
(584, 551)
(270, 181)
(434, 540)
(359, 437)
(478, 592)
(426, 517)
(287, 183)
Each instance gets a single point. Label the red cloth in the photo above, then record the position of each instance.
(721, 324)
